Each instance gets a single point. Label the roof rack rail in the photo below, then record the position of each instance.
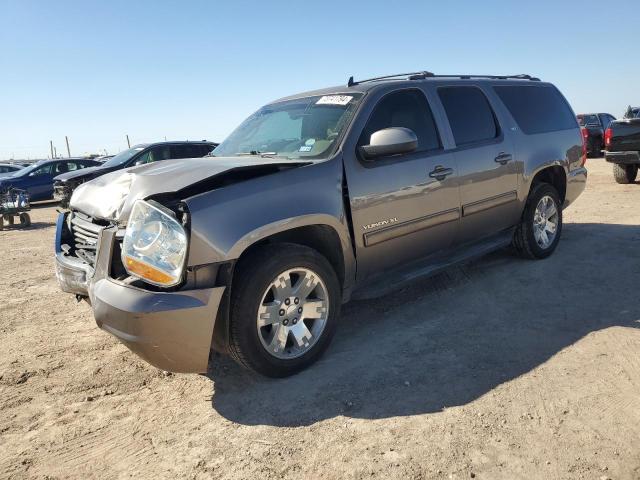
(424, 74)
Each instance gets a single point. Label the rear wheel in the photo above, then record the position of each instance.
(539, 231)
(625, 173)
(285, 302)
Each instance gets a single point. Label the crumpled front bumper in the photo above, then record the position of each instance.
(170, 330)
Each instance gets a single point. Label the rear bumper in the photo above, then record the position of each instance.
(170, 330)
(623, 158)
(576, 183)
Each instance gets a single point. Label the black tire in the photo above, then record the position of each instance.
(252, 277)
(625, 173)
(10, 220)
(524, 240)
(25, 219)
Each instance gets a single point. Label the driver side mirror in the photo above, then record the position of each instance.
(390, 141)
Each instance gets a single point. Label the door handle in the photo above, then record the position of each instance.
(503, 158)
(440, 173)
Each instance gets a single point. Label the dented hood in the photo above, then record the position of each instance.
(111, 196)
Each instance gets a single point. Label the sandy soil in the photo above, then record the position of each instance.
(502, 368)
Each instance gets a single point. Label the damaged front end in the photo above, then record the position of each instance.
(124, 246)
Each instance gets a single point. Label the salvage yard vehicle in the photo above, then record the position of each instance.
(593, 127)
(314, 199)
(622, 144)
(137, 155)
(37, 179)
(14, 203)
(8, 169)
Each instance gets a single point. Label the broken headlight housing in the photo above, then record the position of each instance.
(155, 244)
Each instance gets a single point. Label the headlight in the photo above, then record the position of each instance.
(154, 248)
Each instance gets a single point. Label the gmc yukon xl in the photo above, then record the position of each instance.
(315, 198)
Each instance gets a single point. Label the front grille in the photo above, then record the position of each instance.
(85, 236)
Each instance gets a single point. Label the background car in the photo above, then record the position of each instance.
(593, 126)
(137, 155)
(37, 179)
(8, 169)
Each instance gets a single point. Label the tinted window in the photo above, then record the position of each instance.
(408, 109)
(186, 151)
(538, 109)
(469, 113)
(46, 170)
(588, 119)
(154, 154)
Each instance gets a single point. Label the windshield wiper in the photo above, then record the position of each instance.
(256, 153)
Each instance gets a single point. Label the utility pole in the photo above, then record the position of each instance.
(51, 147)
(66, 139)
(128, 143)
(55, 152)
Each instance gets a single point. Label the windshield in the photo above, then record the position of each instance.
(23, 172)
(307, 127)
(588, 120)
(122, 157)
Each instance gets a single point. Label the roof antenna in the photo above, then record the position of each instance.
(350, 82)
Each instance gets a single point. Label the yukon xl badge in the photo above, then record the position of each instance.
(381, 223)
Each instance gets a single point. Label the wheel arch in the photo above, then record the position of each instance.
(321, 237)
(554, 175)
(324, 237)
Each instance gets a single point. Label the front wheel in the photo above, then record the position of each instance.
(538, 233)
(25, 219)
(285, 303)
(625, 173)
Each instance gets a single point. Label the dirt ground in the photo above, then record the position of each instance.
(502, 368)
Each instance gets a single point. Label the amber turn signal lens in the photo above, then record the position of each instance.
(148, 272)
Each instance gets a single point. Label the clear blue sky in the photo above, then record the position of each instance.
(97, 70)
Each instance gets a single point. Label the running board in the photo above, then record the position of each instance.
(398, 278)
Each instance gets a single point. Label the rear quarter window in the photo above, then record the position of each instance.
(537, 109)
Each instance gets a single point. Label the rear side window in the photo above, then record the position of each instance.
(538, 109)
(469, 114)
(184, 151)
(408, 109)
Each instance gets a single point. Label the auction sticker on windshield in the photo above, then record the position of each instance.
(334, 100)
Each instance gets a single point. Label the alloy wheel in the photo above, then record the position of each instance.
(293, 313)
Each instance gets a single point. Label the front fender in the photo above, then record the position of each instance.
(228, 220)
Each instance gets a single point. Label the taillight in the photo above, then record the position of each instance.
(585, 138)
(585, 133)
(608, 134)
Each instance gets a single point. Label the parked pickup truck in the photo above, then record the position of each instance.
(622, 144)
(65, 184)
(593, 126)
(315, 198)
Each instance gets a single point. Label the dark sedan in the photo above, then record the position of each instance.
(37, 179)
(136, 155)
(8, 169)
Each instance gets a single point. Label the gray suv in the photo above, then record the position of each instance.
(315, 198)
